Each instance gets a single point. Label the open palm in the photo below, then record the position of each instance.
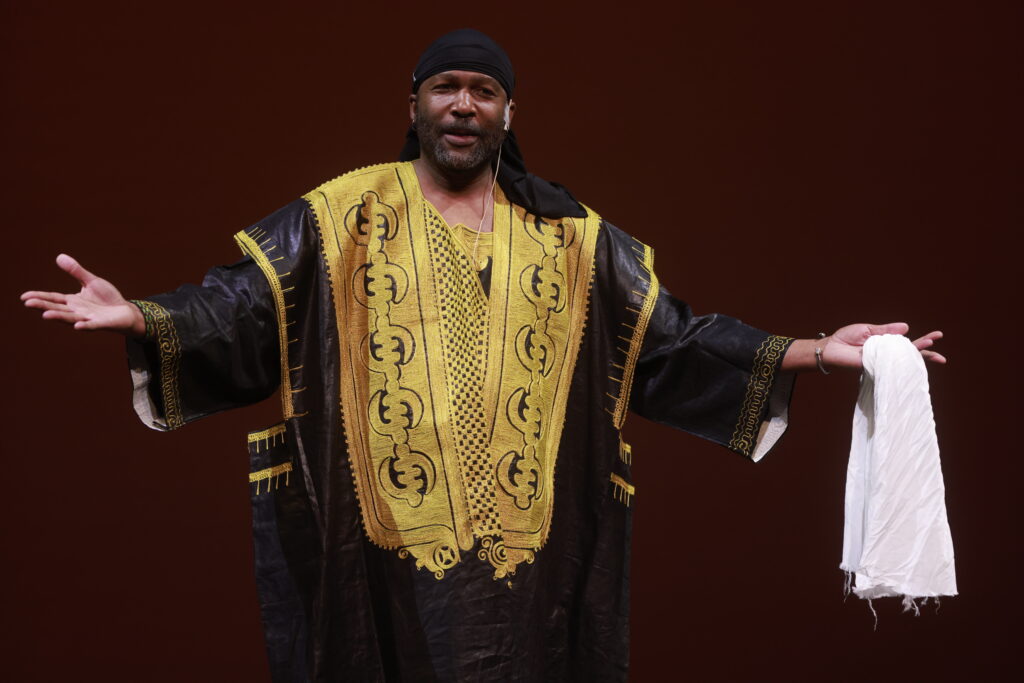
(97, 306)
(846, 345)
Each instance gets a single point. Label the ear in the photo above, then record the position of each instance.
(412, 108)
(511, 111)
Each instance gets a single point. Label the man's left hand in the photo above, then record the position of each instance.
(844, 348)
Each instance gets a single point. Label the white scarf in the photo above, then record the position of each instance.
(896, 540)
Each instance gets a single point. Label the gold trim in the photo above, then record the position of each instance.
(624, 491)
(625, 452)
(762, 376)
(247, 243)
(267, 433)
(160, 324)
(268, 437)
(274, 473)
(637, 337)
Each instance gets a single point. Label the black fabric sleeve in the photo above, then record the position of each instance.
(710, 375)
(216, 346)
(208, 348)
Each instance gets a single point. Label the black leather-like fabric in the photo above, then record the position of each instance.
(353, 611)
(693, 371)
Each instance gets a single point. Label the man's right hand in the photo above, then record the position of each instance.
(97, 306)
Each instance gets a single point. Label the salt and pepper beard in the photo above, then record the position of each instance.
(468, 166)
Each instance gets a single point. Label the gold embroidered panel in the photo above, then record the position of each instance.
(452, 401)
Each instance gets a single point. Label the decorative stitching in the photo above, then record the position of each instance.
(636, 339)
(269, 437)
(160, 328)
(247, 242)
(622, 490)
(271, 473)
(762, 376)
(625, 452)
(147, 317)
(395, 315)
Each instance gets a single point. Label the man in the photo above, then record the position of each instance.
(448, 333)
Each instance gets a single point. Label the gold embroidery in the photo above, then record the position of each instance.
(147, 318)
(269, 437)
(464, 317)
(493, 551)
(552, 263)
(624, 491)
(762, 376)
(271, 474)
(248, 243)
(441, 384)
(636, 338)
(160, 326)
(625, 452)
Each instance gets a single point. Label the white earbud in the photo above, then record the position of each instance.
(507, 106)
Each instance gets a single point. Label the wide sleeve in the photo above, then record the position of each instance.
(709, 375)
(217, 346)
(712, 376)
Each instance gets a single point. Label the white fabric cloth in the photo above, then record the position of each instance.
(896, 539)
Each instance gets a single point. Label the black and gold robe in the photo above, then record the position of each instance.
(448, 495)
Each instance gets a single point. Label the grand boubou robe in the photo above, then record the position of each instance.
(448, 496)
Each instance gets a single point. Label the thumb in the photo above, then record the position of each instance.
(74, 269)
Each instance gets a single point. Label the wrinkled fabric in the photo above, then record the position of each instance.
(896, 539)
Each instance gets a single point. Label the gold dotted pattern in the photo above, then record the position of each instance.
(464, 328)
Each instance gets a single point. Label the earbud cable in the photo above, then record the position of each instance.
(483, 215)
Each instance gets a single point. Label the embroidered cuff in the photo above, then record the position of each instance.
(146, 308)
(160, 329)
(762, 376)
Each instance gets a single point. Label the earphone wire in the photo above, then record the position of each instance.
(483, 212)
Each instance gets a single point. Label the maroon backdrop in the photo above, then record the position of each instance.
(799, 166)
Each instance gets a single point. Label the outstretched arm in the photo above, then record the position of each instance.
(97, 306)
(844, 347)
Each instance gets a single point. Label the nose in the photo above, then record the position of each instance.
(463, 104)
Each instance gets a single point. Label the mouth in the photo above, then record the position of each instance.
(461, 137)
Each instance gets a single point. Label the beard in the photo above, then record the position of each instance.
(467, 161)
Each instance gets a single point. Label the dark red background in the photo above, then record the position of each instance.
(799, 166)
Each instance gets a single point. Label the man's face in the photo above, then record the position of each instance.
(459, 117)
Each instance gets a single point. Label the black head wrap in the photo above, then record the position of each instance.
(470, 50)
(465, 50)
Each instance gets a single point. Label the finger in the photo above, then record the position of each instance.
(927, 340)
(63, 316)
(89, 324)
(933, 357)
(56, 297)
(75, 269)
(889, 328)
(46, 305)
